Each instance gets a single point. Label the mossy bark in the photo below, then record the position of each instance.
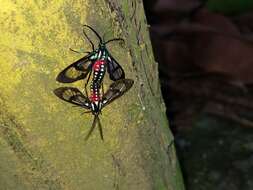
(42, 138)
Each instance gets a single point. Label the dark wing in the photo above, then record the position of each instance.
(76, 71)
(116, 90)
(114, 69)
(73, 96)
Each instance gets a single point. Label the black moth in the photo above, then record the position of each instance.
(82, 68)
(74, 96)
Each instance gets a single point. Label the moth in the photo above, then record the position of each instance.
(98, 61)
(75, 96)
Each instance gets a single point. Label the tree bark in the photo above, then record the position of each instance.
(42, 138)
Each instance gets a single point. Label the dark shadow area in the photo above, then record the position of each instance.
(205, 55)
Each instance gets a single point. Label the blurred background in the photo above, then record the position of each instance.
(205, 54)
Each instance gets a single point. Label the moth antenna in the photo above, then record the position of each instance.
(100, 129)
(99, 37)
(79, 51)
(114, 39)
(92, 128)
(87, 37)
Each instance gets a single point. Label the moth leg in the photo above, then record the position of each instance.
(86, 84)
(85, 112)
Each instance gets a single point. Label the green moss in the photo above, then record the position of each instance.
(159, 185)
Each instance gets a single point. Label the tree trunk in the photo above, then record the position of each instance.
(42, 138)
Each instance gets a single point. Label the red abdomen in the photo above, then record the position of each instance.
(97, 66)
(98, 75)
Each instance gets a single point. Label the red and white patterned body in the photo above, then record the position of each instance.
(99, 70)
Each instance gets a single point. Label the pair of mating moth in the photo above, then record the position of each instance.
(95, 63)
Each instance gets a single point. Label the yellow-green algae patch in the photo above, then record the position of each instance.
(10, 174)
(34, 44)
(35, 41)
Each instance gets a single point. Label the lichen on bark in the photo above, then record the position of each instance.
(45, 137)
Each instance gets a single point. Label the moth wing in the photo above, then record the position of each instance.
(114, 69)
(73, 96)
(76, 71)
(116, 90)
